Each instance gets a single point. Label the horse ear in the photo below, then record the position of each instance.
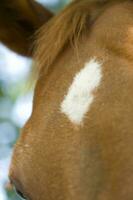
(19, 20)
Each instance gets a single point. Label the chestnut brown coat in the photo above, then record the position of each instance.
(56, 158)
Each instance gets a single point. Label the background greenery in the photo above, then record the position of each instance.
(15, 103)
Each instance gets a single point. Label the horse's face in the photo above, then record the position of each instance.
(60, 157)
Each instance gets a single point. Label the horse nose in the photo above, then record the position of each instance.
(18, 191)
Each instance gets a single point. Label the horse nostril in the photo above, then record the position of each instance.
(16, 186)
(20, 193)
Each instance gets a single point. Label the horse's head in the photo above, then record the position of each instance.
(77, 144)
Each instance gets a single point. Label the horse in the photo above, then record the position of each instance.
(78, 142)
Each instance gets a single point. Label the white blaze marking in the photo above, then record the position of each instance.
(80, 96)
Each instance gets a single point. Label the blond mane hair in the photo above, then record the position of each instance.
(66, 27)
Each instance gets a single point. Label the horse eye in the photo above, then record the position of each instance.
(20, 194)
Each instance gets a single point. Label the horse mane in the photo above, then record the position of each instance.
(66, 27)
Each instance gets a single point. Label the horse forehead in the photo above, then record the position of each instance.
(77, 102)
(71, 95)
